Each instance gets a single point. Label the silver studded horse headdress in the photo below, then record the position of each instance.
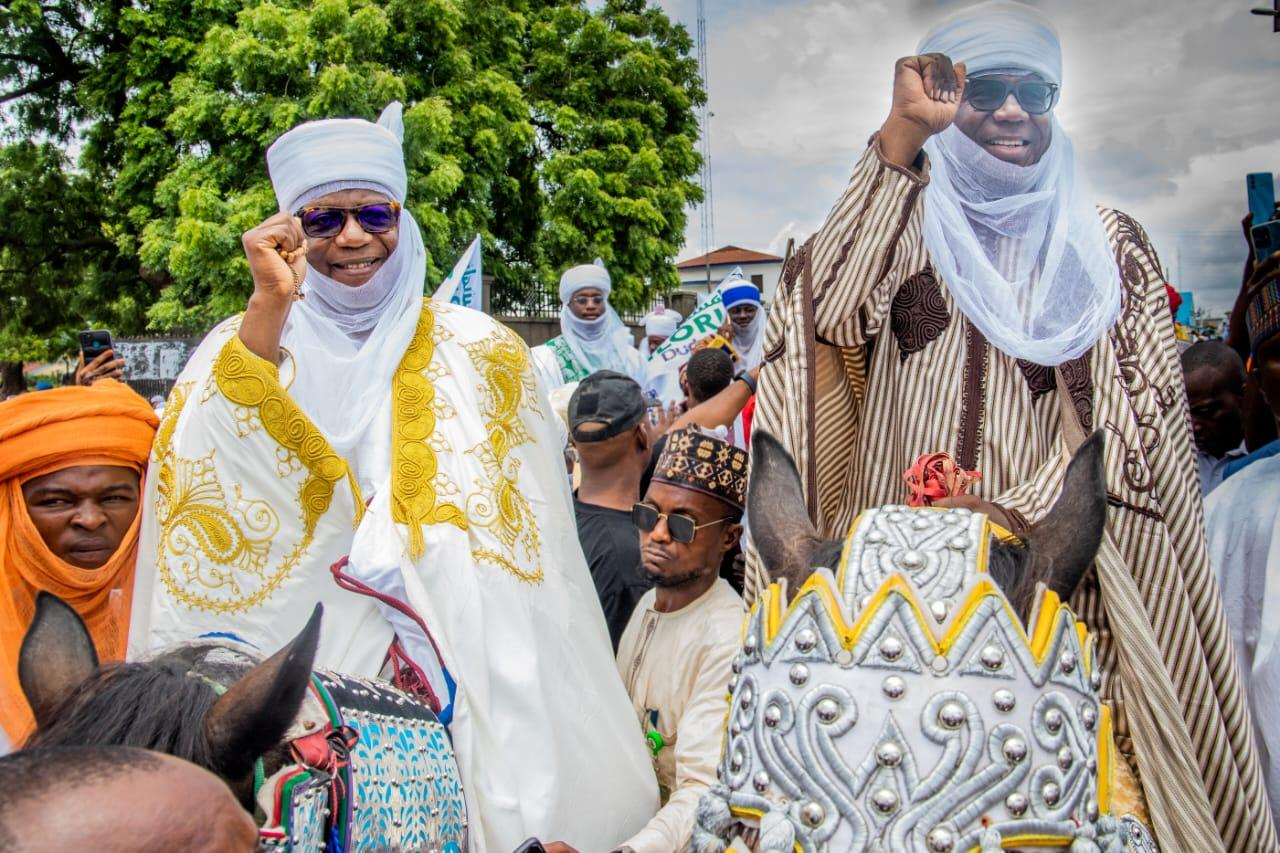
(899, 704)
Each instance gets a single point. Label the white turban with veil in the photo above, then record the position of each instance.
(347, 341)
(605, 342)
(1020, 248)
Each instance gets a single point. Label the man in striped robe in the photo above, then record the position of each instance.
(961, 297)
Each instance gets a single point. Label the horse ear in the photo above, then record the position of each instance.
(57, 655)
(776, 514)
(1062, 545)
(255, 712)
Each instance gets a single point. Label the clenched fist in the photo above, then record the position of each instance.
(277, 253)
(927, 91)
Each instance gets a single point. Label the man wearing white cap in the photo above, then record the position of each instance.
(964, 295)
(659, 324)
(592, 335)
(347, 441)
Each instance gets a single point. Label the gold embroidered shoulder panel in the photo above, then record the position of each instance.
(499, 519)
(416, 480)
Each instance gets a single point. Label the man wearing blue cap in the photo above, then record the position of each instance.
(741, 301)
(964, 295)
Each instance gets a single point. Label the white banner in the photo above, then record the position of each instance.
(664, 366)
(464, 286)
(672, 355)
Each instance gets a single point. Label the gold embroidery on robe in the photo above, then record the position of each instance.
(498, 506)
(206, 542)
(416, 479)
(210, 548)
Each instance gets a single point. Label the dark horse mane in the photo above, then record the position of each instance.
(160, 704)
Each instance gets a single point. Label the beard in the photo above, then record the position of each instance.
(669, 581)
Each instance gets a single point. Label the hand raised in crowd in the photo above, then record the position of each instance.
(661, 418)
(104, 366)
(277, 253)
(927, 91)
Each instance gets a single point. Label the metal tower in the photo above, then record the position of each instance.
(704, 118)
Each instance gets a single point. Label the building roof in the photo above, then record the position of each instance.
(729, 255)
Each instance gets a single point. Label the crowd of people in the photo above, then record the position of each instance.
(351, 519)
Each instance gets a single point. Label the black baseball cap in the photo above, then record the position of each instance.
(609, 398)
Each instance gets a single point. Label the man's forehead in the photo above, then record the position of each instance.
(357, 195)
(84, 477)
(1011, 75)
(669, 497)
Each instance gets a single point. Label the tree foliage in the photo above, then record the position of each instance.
(557, 132)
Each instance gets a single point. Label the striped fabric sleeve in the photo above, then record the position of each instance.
(857, 263)
(1034, 496)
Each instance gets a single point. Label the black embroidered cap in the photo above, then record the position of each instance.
(608, 398)
(694, 460)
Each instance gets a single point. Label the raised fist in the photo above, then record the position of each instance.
(927, 91)
(277, 253)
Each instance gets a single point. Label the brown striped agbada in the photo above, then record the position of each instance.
(869, 364)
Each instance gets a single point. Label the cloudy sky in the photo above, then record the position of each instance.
(1169, 104)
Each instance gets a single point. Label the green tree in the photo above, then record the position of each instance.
(556, 132)
(44, 278)
(613, 96)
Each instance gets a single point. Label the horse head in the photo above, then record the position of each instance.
(321, 755)
(919, 684)
(176, 703)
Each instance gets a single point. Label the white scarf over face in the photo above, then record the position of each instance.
(605, 342)
(1021, 249)
(346, 342)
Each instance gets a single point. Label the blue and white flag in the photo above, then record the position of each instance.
(463, 286)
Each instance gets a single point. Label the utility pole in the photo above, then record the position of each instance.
(1273, 12)
(704, 117)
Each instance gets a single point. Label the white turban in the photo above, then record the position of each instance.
(1021, 248)
(320, 157)
(348, 341)
(998, 35)
(584, 276)
(663, 322)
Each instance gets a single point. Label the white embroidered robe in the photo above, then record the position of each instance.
(469, 520)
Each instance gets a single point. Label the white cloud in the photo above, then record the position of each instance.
(1168, 104)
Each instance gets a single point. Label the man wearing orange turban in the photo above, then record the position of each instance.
(71, 464)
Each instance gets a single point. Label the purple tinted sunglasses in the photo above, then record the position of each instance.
(329, 221)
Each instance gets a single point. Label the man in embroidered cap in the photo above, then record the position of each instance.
(71, 463)
(349, 442)
(659, 324)
(592, 335)
(676, 653)
(1242, 522)
(964, 295)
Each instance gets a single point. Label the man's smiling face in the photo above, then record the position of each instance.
(353, 255)
(1009, 132)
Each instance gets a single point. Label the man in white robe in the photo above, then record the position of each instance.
(342, 415)
(592, 335)
(1242, 522)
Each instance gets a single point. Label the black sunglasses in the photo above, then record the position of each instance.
(986, 94)
(683, 529)
(376, 218)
